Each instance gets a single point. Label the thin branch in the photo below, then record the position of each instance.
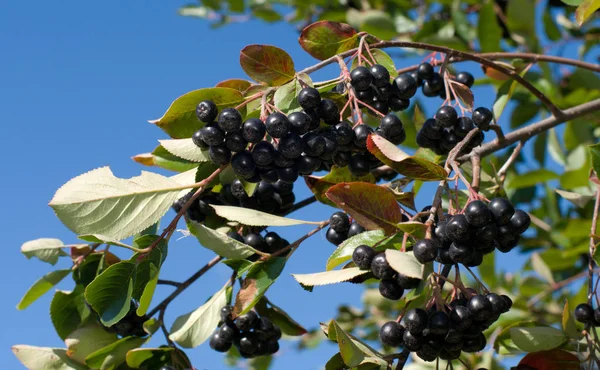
(476, 164)
(297, 242)
(513, 157)
(303, 203)
(184, 285)
(556, 286)
(168, 282)
(80, 259)
(592, 250)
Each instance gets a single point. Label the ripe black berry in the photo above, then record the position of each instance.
(425, 71)
(584, 313)
(411, 341)
(219, 154)
(334, 237)
(426, 250)
(463, 126)
(362, 131)
(359, 165)
(288, 174)
(398, 104)
(243, 164)
(235, 142)
(291, 146)
(198, 141)
(355, 229)
(391, 334)
(416, 320)
(268, 174)
(440, 232)
(476, 258)
(236, 236)
(277, 125)
(480, 307)
(407, 282)
(446, 116)
(381, 76)
(439, 324)
(486, 234)
(482, 117)
(433, 86)
(263, 153)
(228, 332)
(212, 135)
(345, 133)
(309, 98)
(253, 130)
(248, 344)
(206, 111)
(465, 78)
(226, 313)
(363, 256)
(432, 129)
(361, 78)
(502, 209)
(449, 139)
(390, 289)
(381, 268)
(458, 228)
(219, 344)
(300, 122)
(229, 120)
(255, 241)
(307, 165)
(328, 110)
(498, 303)
(475, 344)
(460, 318)
(391, 125)
(339, 222)
(341, 159)
(460, 253)
(520, 221)
(405, 87)
(314, 144)
(246, 321)
(478, 214)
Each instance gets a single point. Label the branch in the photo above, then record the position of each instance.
(303, 203)
(592, 251)
(533, 129)
(184, 285)
(297, 242)
(556, 286)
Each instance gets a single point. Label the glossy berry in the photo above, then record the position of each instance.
(446, 116)
(380, 267)
(425, 71)
(411, 342)
(460, 318)
(432, 129)
(498, 303)
(228, 332)
(334, 237)
(309, 98)
(226, 313)
(381, 76)
(363, 256)
(206, 111)
(476, 344)
(407, 282)
(219, 344)
(520, 221)
(398, 104)
(328, 110)
(458, 228)
(416, 320)
(463, 126)
(404, 86)
(480, 307)
(425, 250)
(314, 144)
(482, 117)
(361, 78)
(355, 229)
(235, 142)
(198, 141)
(229, 120)
(307, 165)
(449, 140)
(477, 213)
(243, 164)
(439, 323)
(246, 321)
(391, 334)
(263, 153)
(389, 288)
(362, 131)
(345, 133)
(465, 78)
(461, 253)
(391, 125)
(433, 86)
(273, 241)
(486, 234)
(219, 154)
(212, 135)
(291, 146)
(339, 222)
(277, 125)
(359, 165)
(440, 232)
(255, 241)
(300, 122)
(235, 236)
(248, 344)
(584, 313)
(341, 159)
(253, 130)
(288, 174)
(502, 210)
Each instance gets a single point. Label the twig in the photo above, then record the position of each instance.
(592, 250)
(168, 282)
(303, 203)
(476, 164)
(297, 242)
(80, 259)
(184, 285)
(502, 171)
(556, 286)
(498, 131)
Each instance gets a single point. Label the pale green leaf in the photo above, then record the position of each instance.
(344, 251)
(488, 30)
(46, 249)
(44, 358)
(328, 277)
(541, 268)
(252, 217)
(186, 149)
(580, 200)
(111, 356)
(537, 339)
(285, 96)
(351, 354)
(220, 243)
(97, 202)
(585, 10)
(568, 323)
(192, 329)
(88, 339)
(40, 287)
(405, 263)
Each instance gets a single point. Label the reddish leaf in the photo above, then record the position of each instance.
(320, 185)
(325, 39)
(374, 207)
(463, 93)
(414, 167)
(268, 64)
(236, 84)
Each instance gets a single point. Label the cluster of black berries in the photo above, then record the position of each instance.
(340, 228)
(392, 284)
(373, 87)
(270, 243)
(446, 129)
(252, 335)
(297, 143)
(432, 83)
(131, 324)
(585, 314)
(466, 237)
(446, 332)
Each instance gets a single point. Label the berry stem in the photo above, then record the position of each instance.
(370, 107)
(502, 171)
(80, 259)
(252, 98)
(481, 284)
(498, 131)
(592, 250)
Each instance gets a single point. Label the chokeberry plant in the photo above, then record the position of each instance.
(362, 143)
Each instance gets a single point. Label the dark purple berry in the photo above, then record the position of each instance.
(390, 289)
(380, 267)
(416, 320)
(404, 86)
(359, 165)
(339, 222)
(229, 120)
(253, 130)
(411, 342)
(461, 253)
(198, 141)
(398, 104)
(391, 334)
(206, 111)
(425, 71)
(426, 250)
(361, 78)
(482, 117)
(465, 78)
(243, 164)
(432, 129)
(363, 256)
(381, 76)
(480, 307)
(458, 229)
(334, 237)
(407, 282)
(361, 132)
(355, 229)
(328, 110)
(219, 344)
(520, 221)
(291, 146)
(584, 313)
(300, 122)
(307, 165)
(309, 98)
(219, 154)
(439, 324)
(277, 125)
(460, 318)
(263, 153)
(391, 125)
(212, 135)
(478, 214)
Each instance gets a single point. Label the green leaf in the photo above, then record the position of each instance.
(585, 10)
(268, 64)
(320, 185)
(260, 277)
(219, 242)
(192, 329)
(285, 96)
(44, 358)
(535, 339)
(541, 268)
(572, 2)
(45, 249)
(414, 228)
(568, 323)
(488, 30)
(405, 263)
(186, 149)
(136, 357)
(68, 311)
(147, 271)
(532, 178)
(97, 202)
(373, 207)
(40, 287)
(88, 339)
(110, 293)
(378, 23)
(236, 84)
(595, 152)
(521, 20)
(180, 121)
(412, 167)
(505, 93)
(550, 27)
(252, 217)
(328, 277)
(160, 157)
(279, 317)
(351, 354)
(325, 39)
(343, 252)
(579, 200)
(381, 57)
(111, 356)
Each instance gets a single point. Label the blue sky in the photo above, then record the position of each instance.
(79, 82)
